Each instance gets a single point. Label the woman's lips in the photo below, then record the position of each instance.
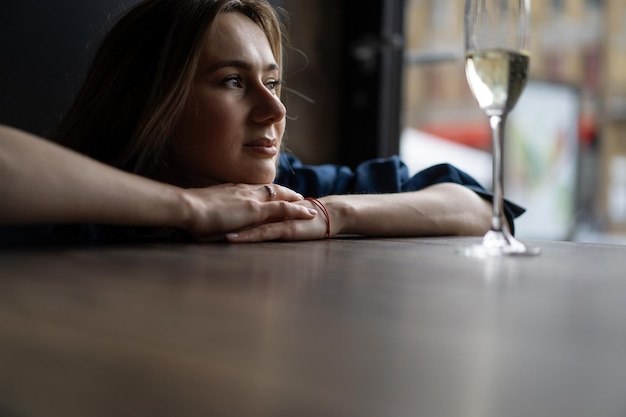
(262, 147)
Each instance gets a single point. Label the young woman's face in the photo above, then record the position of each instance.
(233, 121)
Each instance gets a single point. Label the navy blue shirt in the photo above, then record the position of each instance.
(377, 176)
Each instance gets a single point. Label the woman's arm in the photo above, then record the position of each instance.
(41, 182)
(441, 209)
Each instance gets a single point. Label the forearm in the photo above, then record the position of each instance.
(43, 182)
(442, 209)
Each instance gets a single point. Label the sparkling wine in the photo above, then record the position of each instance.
(496, 78)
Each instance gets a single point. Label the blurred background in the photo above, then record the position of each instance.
(372, 78)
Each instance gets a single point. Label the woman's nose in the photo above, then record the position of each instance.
(268, 107)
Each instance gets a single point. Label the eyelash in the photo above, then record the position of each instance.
(271, 85)
(275, 84)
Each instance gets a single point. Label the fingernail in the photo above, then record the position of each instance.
(300, 196)
(232, 235)
(312, 211)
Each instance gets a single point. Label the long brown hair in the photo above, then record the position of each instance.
(134, 92)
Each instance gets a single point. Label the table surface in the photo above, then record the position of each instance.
(341, 327)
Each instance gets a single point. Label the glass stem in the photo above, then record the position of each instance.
(497, 137)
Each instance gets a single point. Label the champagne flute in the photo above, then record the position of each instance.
(496, 67)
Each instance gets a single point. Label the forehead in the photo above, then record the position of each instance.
(234, 36)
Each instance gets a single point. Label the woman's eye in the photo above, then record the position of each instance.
(273, 85)
(232, 82)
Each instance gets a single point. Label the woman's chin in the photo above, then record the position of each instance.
(252, 174)
(260, 179)
(260, 175)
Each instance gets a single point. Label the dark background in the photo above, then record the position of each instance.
(44, 51)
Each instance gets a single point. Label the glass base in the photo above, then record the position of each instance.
(498, 243)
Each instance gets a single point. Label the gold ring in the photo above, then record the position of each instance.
(270, 191)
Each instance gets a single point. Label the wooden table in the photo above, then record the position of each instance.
(342, 327)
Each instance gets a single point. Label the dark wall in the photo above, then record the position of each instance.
(312, 75)
(45, 47)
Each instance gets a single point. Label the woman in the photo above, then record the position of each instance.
(185, 96)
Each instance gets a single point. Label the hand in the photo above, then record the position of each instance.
(225, 208)
(286, 229)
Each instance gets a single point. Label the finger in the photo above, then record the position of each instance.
(271, 193)
(284, 230)
(290, 229)
(257, 234)
(286, 194)
(279, 210)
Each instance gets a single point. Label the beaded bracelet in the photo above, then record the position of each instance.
(326, 215)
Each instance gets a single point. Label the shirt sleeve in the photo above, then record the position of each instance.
(376, 176)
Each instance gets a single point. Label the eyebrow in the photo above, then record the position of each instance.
(239, 64)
